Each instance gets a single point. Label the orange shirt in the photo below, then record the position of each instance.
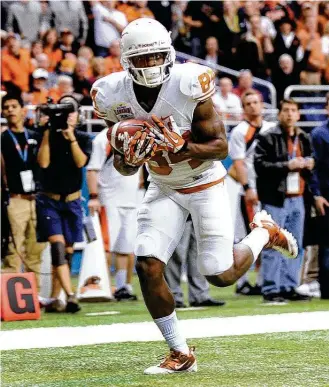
(133, 13)
(17, 70)
(55, 94)
(112, 65)
(39, 97)
(316, 60)
(54, 57)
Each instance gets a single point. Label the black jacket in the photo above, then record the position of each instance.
(271, 164)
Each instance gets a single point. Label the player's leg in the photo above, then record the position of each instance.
(161, 223)
(220, 261)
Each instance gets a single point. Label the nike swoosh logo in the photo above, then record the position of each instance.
(164, 118)
(180, 366)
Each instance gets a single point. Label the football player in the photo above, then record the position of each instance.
(186, 175)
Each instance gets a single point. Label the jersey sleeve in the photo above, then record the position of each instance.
(237, 145)
(101, 94)
(197, 82)
(99, 152)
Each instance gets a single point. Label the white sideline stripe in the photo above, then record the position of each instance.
(147, 331)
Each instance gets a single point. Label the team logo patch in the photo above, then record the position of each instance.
(92, 282)
(123, 111)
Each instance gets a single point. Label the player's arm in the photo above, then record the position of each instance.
(119, 159)
(210, 131)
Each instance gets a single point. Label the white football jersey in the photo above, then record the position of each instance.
(242, 145)
(114, 100)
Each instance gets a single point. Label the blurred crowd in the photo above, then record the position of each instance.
(52, 48)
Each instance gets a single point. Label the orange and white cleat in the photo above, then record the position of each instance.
(280, 239)
(175, 362)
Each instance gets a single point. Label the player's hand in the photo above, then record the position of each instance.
(138, 149)
(320, 204)
(94, 205)
(167, 139)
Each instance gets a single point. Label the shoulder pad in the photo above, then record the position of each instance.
(102, 91)
(197, 81)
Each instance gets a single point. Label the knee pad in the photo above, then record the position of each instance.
(58, 254)
(209, 264)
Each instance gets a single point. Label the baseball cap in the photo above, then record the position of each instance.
(40, 73)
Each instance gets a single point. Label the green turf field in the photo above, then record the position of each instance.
(281, 359)
(286, 359)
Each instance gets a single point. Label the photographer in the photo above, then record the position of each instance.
(18, 170)
(63, 152)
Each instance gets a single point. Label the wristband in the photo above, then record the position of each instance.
(246, 187)
(72, 142)
(93, 196)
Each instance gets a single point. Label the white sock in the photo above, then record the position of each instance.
(242, 280)
(129, 287)
(120, 278)
(169, 328)
(256, 240)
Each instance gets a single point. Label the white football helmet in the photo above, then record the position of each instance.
(146, 36)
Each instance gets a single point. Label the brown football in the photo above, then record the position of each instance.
(116, 133)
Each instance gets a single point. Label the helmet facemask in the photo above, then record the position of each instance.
(149, 76)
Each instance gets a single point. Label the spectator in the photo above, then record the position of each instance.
(254, 49)
(244, 83)
(62, 155)
(198, 286)
(316, 62)
(19, 171)
(67, 66)
(325, 50)
(64, 87)
(276, 10)
(36, 48)
(135, 10)
(267, 26)
(51, 48)
(227, 104)
(320, 188)
(97, 68)
(229, 30)
(86, 53)
(308, 10)
(243, 141)
(25, 15)
(181, 34)
(81, 82)
(46, 18)
(67, 43)
(286, 41)
(71, 15)
(16, 66)
(112, 62)
(39, 92)
(213, 55)
(118, 196)
(287, 73)
(162, 12)
(194, 19)
(283, 163)
(109, 23)
(42, 61)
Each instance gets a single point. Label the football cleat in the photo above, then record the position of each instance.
(280, 239)
(175, 362)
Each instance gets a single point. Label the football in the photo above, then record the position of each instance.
(116, 133)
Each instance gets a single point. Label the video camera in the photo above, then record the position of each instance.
(58, 112)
